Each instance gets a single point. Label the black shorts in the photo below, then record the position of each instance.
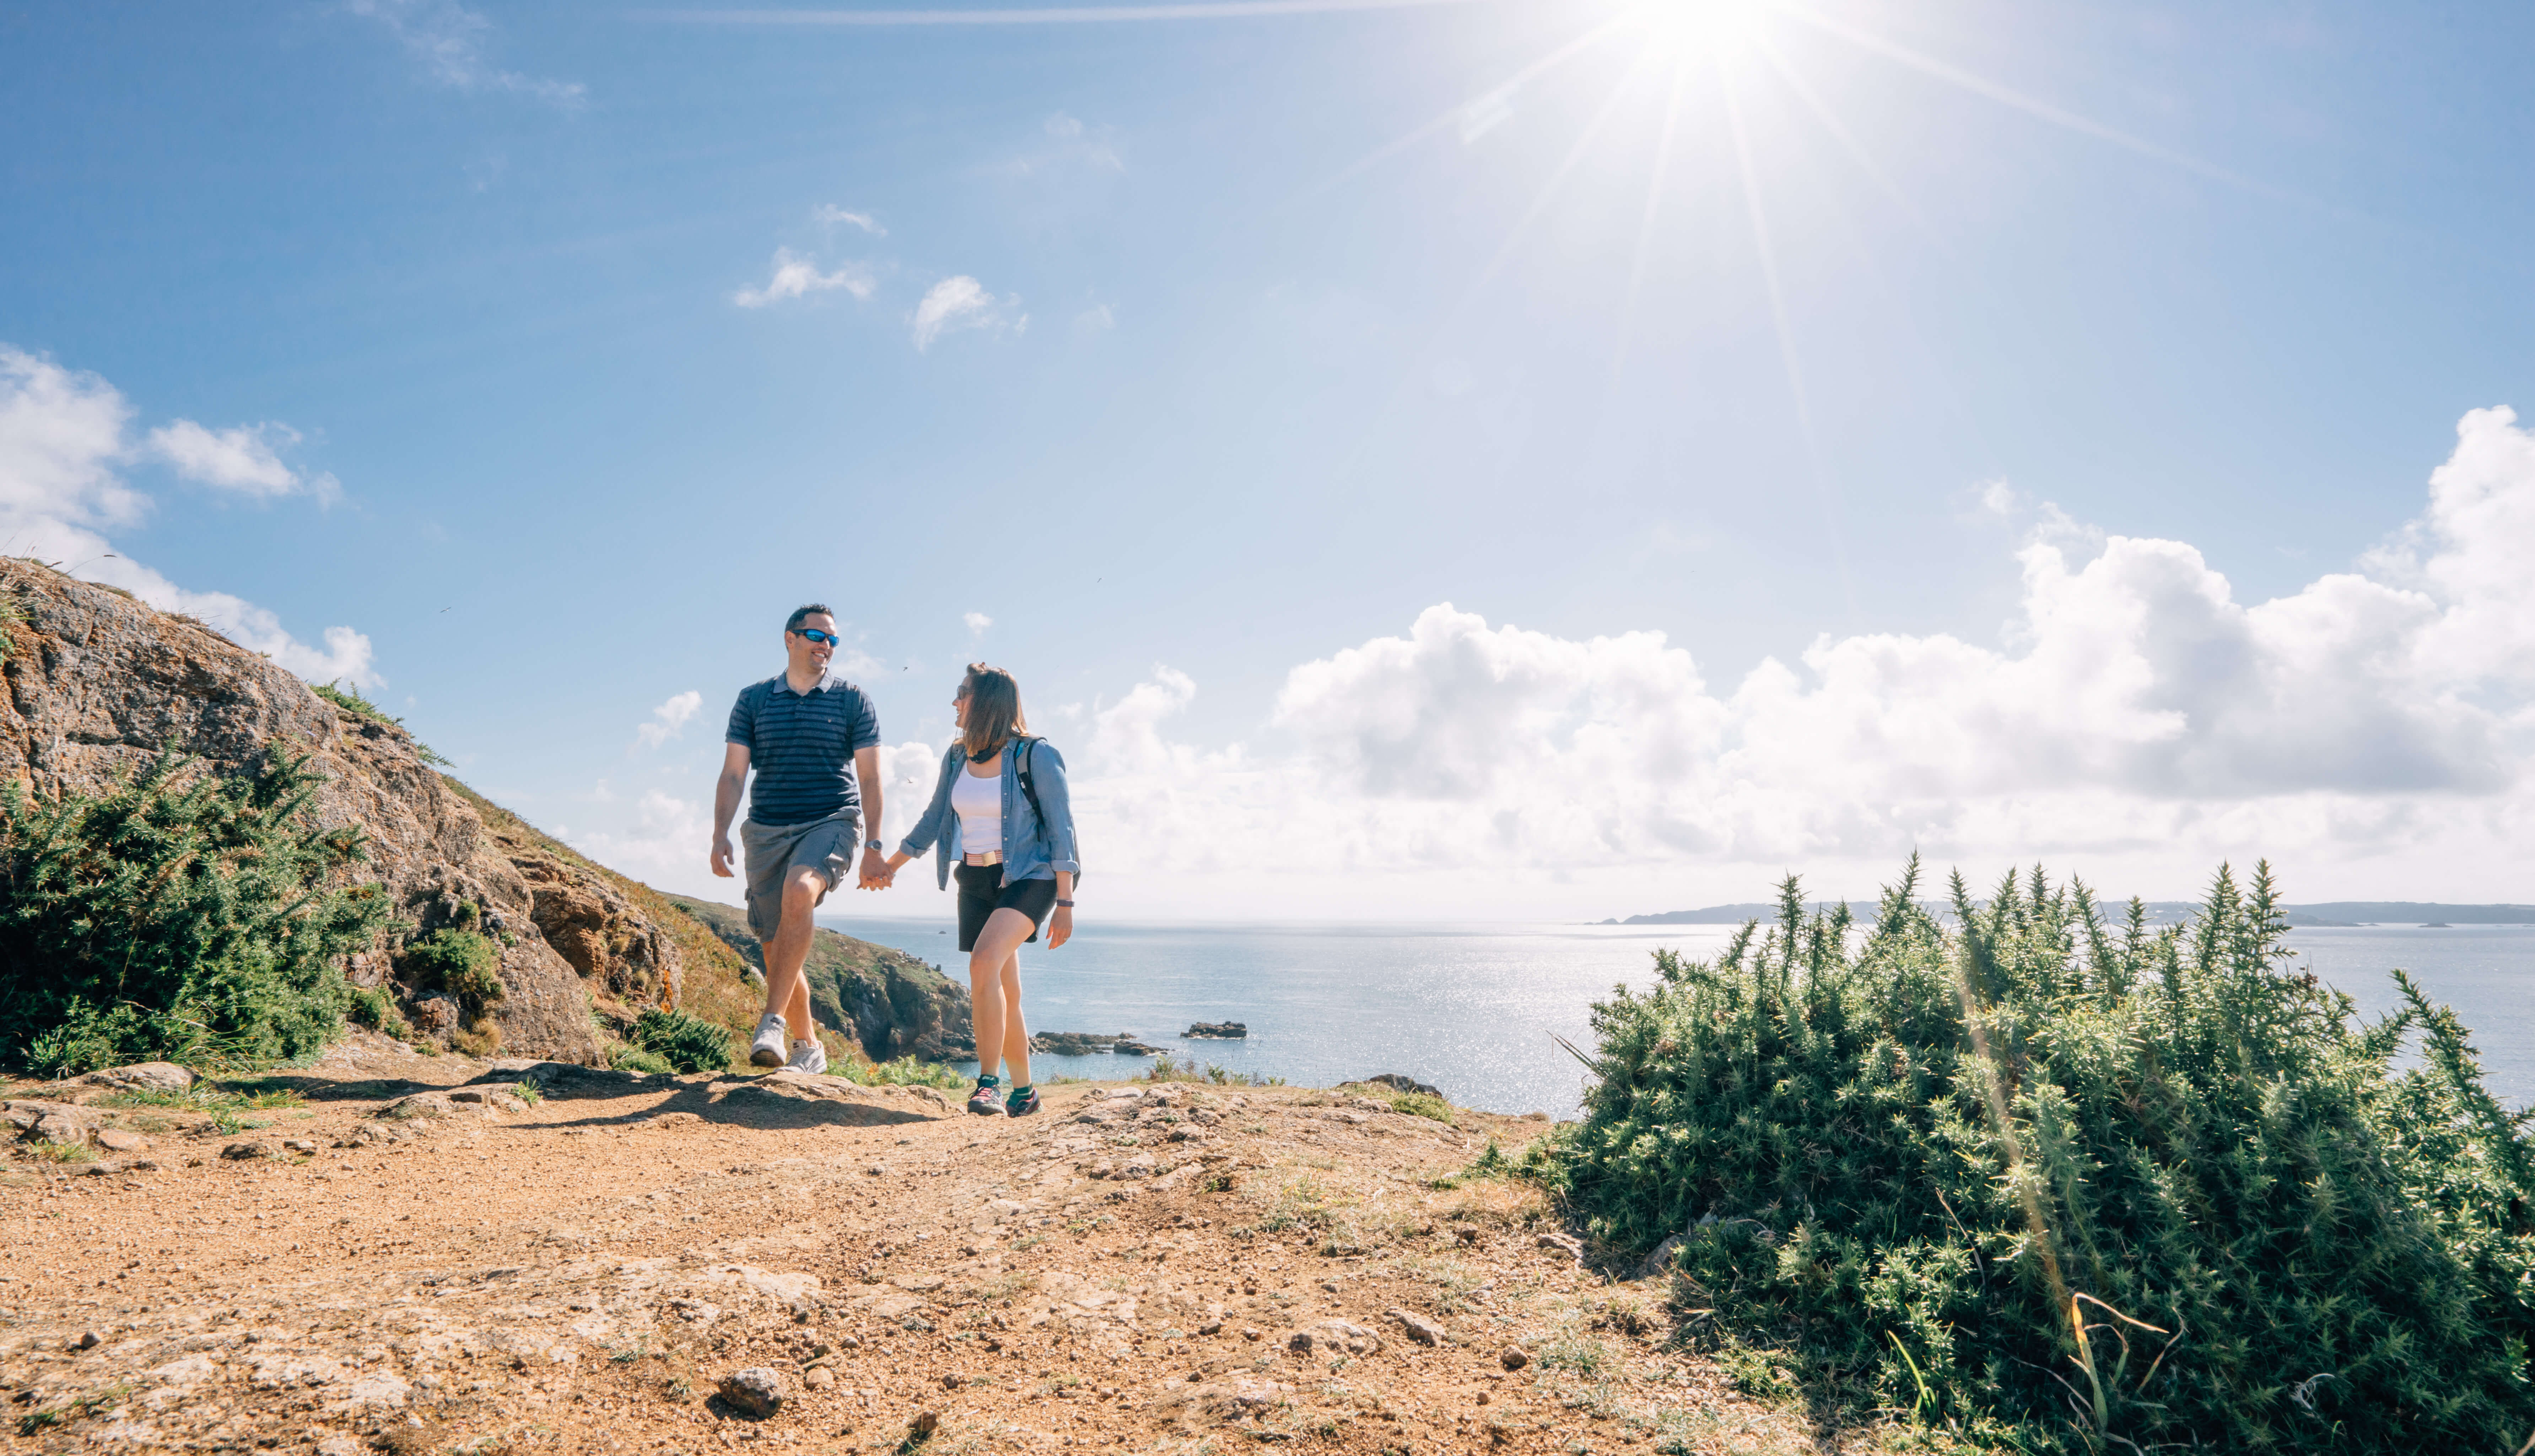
(982, 892)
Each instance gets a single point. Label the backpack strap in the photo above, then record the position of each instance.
(1022, 771)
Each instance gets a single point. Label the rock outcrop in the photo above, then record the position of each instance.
(100, 683)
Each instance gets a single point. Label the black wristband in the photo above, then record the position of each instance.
(1068, 904)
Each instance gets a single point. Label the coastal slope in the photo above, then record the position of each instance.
(390, 1266)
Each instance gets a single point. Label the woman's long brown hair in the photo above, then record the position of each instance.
(994, 710)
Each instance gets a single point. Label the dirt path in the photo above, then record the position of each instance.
(1148, 1267)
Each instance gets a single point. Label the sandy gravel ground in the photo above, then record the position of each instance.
(1140, 1267)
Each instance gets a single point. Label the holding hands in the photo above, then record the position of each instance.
(877, 873)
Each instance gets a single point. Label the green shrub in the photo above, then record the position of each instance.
(1424, 1105)
(2085, 1188)
(459, 961)
(686, 1043)
(908, 1071)
(187, 918)
(626, 1057)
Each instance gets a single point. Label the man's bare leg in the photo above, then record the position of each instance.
(787, 991)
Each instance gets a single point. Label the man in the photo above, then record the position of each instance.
(815, 744)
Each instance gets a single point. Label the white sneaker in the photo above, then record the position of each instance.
(808, 1057)
(767, 1049)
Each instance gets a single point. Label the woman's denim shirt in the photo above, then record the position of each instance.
(1032, 850)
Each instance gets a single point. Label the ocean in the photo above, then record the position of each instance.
(1478, 1010)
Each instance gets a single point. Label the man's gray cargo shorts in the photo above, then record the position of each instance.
(770, 851)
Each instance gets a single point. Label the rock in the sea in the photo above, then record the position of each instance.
(1128, 1046)
(1221, 1030)
(756, 1391)
(1071, 1043)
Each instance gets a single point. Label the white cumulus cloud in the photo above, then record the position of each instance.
(63, 435)
(669, 719)
(977, 621)
(959, 302)
(796, 275)
(2135, 720)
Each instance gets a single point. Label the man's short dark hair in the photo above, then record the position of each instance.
(804, 614)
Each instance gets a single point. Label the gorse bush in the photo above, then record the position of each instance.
(460, 962)
(186, 918)
(686, 1043)
(2078, 1186)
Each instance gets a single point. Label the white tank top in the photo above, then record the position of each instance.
(979, 802)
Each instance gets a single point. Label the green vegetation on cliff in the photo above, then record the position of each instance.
(2072, 1187)
(887, 1003)
(182, 915)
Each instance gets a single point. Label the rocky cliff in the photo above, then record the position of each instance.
(890, 1003)
(98, 683)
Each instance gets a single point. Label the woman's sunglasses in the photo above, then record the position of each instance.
(816, 635)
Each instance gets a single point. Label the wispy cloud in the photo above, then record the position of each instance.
(977, 621)
(245, 459)
(1059, 15)
(449, 39)
(960, 302)
(832, 215)
(1069, 143)
(1094, 319)
(669, 719)
(798, 276)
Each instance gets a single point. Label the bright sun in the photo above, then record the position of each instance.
(1718, 26)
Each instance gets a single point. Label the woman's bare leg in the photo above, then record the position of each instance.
(997, 945)
(1015, 1031)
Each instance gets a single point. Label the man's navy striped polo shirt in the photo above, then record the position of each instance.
(802, 746)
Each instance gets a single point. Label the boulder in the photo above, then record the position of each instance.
(1399, 1083)
(1337, 1336)
(141, 1076)
(1218, 1030)
(1417, 1326)
(61, 1124)
(756, 1391)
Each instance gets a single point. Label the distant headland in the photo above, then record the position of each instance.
(2162, 912)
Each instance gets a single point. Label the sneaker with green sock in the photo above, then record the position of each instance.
(1022, 1102)
(985, 1102)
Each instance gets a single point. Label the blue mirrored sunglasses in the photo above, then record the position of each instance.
(816, 635)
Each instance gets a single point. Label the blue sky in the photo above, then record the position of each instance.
(556, 351)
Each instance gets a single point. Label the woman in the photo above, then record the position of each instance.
(1001, 812)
